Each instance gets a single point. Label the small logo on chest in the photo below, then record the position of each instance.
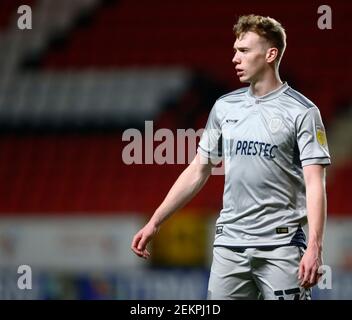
(275, 124)
(233, 121)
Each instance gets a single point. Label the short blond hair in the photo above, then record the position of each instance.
(266, 27)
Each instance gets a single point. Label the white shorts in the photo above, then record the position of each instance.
(253, 273)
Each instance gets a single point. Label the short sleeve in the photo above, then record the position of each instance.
(311, 139)
(210, 144)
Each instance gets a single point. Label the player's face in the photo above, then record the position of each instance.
(250, 57)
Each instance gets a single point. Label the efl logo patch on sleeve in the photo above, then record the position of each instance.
(321, 137)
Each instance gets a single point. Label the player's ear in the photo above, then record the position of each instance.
(271, 54)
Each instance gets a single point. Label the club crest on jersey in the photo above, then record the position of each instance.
(321, 137)
(275, 124)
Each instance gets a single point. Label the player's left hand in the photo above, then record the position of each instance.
(309, 268)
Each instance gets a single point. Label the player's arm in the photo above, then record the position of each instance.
(314, 176)
(191, 180)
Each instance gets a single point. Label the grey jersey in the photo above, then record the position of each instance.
(264, 143)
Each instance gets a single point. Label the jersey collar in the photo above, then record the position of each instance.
(271, 95)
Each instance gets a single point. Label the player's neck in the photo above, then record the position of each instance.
(266, 85)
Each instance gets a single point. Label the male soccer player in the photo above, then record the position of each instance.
(273, 143)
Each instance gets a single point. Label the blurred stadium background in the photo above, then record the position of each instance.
(88, 70)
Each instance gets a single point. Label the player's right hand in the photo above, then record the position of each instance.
(142, 238)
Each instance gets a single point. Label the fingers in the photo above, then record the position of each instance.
(136, 240)
(135, 244)
(305, 279)
(146, 254)
(316, 276)
(319, 275)
(309, 269)
(303, 274)
(309, 277)
(142, 243)
(313, 277)
(301, 271)
(142, 247)
(138, 246)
